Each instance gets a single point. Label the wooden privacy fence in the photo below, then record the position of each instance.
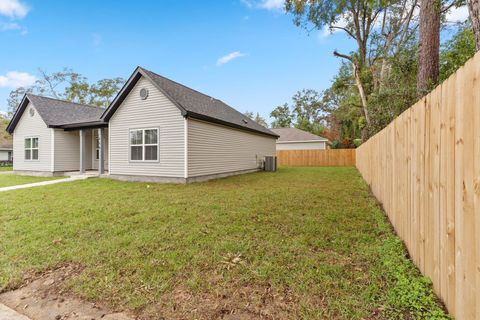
(425, 170)
(330, 157)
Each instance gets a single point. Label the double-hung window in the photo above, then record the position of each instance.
(31, 148)
(144, 145)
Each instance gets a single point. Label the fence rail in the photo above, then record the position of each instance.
(425, 169)
(330, 157)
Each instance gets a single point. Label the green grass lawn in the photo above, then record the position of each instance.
(7, 180)
(6, 168)
(303, 243)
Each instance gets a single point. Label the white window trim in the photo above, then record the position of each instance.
(143, 145)
(31, 149)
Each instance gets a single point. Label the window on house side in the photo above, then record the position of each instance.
(31, 148)
(144, 145)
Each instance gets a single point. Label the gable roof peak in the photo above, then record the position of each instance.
(55, 112)
(192, 103)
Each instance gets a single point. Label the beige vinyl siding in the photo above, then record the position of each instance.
(317, 145)
(32, 126)
(157, 111)
(216, 149)
(66, 150)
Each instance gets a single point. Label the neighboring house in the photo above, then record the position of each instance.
(6, 153)
(154, 130)
(296, 139)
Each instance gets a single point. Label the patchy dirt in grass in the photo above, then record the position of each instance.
(236, 302)
(44, 297)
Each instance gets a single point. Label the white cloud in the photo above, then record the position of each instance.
(9, 26)
(12, 26)
(457, 14)
(13, 9)
(272, 4)
(229, 57)
(15, 79)
(326, 31)
(247, 3)
(264, 4)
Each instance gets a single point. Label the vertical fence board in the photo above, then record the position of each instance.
(424, 168)
(476, 183)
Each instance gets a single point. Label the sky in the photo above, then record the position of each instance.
(247, 53)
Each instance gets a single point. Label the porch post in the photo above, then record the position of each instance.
(101, 156)
(82, 150)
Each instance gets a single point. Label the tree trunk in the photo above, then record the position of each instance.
(429, 46)
(474, 12)
(363, 98)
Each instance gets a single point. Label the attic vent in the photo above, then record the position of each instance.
(144, 93)
(244, 121)
(32, 112)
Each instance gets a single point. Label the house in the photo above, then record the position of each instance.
(6, 153)
(296, 139)
(154, 130)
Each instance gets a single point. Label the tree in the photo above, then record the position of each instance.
(260, 120)
(429, 46)
(71, 86)
(474, 13)
(249, 114)
(355, 18)
(257, 118)
(307, 112)
(283, 117)
(456, 51)
(5, 138)
(359, 19)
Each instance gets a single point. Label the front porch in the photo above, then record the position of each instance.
(97, 154)
(92, 150)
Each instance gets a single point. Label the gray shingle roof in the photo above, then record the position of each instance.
(294, 134)
(202, 104)
(56, 112)
(191, 102)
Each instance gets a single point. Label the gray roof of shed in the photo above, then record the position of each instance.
(294, 134)
(191, 103)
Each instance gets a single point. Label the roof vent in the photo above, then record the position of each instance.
(244, 121)
(144, 93)
(32, 112)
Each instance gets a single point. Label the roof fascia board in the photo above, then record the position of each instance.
(227, 124)
(18, 114)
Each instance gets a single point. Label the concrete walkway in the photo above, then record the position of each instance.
(8, 314)
(45, 183)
